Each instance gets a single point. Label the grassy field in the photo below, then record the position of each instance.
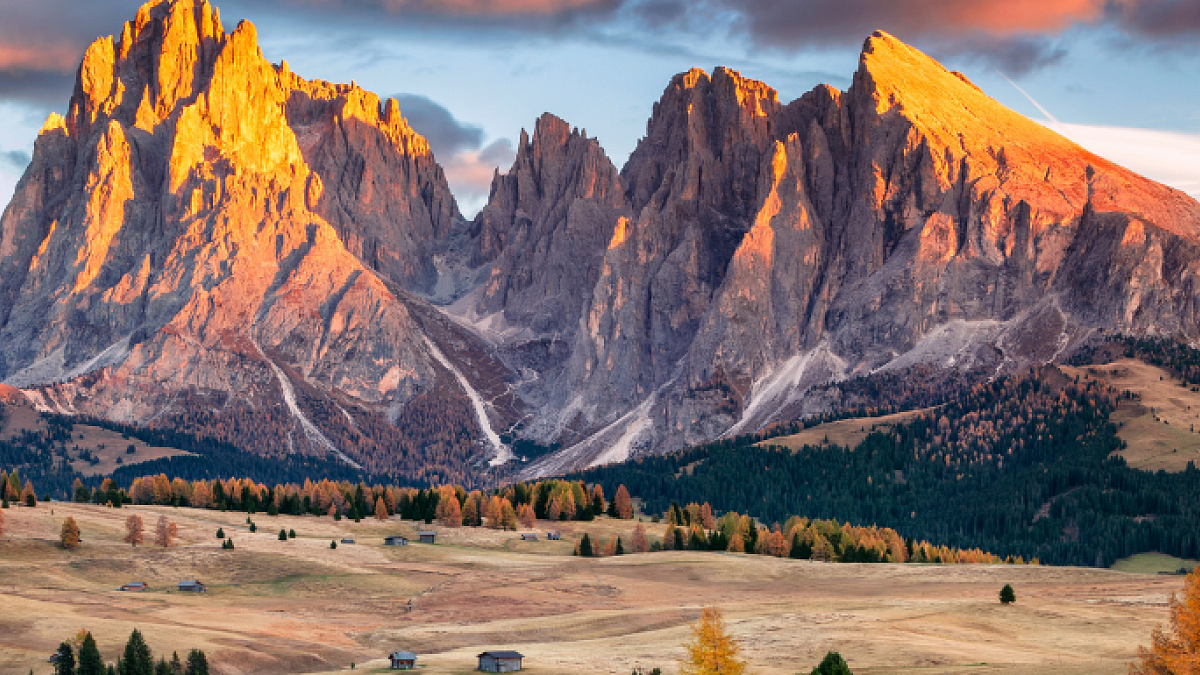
(846, 433)
(298, 606)
(1161, 427)
(1153, 563)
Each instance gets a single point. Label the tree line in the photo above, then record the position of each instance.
(81, 656)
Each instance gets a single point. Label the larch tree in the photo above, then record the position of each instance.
(69, 537)
(508, 515)
(165, 532)
(451, 512)
(712, 649)
(622, 504)
(641, 543)
(134, 530)
(28, 496)
(1177, 653)
(526, 516)
(381, 509)
(1, 523)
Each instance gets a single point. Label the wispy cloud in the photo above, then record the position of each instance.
(1168, 157)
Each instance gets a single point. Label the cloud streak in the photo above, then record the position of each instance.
(1165, 156)
(459, 148)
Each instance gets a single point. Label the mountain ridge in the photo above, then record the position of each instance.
(210, 240)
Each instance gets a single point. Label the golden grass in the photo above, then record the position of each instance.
(1162, 427)
(847, 433)
(298, 606)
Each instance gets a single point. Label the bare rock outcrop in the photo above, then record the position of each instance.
(205, 226)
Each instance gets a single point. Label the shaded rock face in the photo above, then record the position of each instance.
(204, 221)
(910, 219)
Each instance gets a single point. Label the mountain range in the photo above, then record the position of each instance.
(208, 241)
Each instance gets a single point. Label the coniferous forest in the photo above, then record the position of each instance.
(1020, 466)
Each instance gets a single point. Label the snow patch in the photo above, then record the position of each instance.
(503, 452)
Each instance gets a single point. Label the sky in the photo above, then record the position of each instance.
(1119, 77)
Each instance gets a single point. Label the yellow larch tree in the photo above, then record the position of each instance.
(712, 650)
(1179, 652)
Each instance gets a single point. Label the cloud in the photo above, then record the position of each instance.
(14, 161)
(458, 147)
(1169, 19)
(1165, 156)
(446, 135)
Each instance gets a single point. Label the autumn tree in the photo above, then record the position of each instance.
(1, 523)
(134, 530)
(381, 509)
(641, 543)
(712, 650)
(69, 537)
(450, 512)
(165, 532)
(28, 496)
(1179, 652)
(622, 504)
(526, 516)
(508, 515)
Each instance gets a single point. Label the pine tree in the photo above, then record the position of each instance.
(69, 537)
(620, 550)
(220, 533)
(291, 534)
(197, 663)
(1178, 653)
(65, 663)
(333, 544)
(90, 662)
(134, 530)
(712, 650)
(176, 664)
(585, 546)
(283, 535)
(137, 659)
(1007, 596)
(832, 664)
(162, 667)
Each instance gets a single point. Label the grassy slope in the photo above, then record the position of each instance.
(298, 606)
(1153, 563)
(1167, 438)
(104, 444)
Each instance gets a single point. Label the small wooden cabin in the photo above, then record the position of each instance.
(500, 662)
(135, 586)
(347, 540)
(403, 660)
(529, 536)
(395, 540)
(427, 536)
(192, 587)
(554, 536)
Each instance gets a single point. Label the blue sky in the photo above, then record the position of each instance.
(1118, 76)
